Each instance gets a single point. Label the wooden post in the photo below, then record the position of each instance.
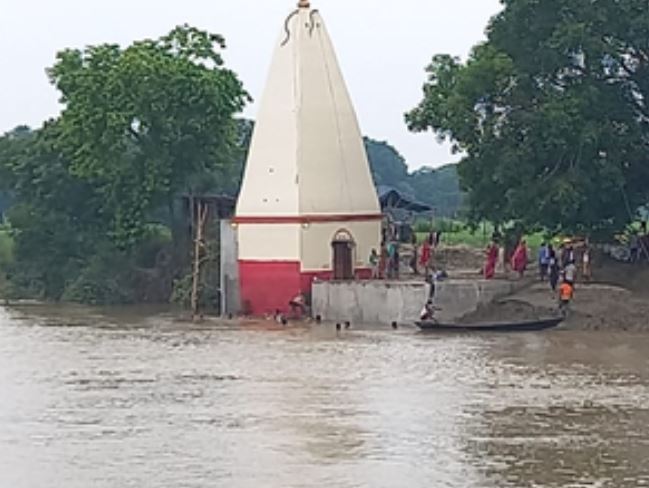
(199, 248)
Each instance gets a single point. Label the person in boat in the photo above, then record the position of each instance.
(519, 259)
(493, 251)
(566, 294)
(428, 312)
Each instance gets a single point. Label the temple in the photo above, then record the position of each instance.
(308, 207)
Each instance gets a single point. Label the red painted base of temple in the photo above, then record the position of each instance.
(269, 286)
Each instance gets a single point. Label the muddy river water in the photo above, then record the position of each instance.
(91, 399)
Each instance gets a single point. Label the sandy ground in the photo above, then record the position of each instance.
(617, 299)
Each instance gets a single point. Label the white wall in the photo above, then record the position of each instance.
(317, 253)
(269, 242)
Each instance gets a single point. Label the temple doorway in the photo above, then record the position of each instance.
(343, 256)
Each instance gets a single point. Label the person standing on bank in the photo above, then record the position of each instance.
(543, 261)
(424, 258)
(553, 268)
(383, 262)
(413, 259)
(493, 252)
(390, 262)
(566, 294)
(374, 263)
(396, 261)
(570, 273)
(586, 264)
(519, 259)
(634, 247)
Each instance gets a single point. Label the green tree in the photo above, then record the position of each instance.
(140, 126)
(439, 188)
(551, 113)
(139, 122)
(436, 187)
(387, 165)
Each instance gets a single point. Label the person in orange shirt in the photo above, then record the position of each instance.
(566, 294)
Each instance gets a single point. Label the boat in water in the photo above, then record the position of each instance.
(518, 326)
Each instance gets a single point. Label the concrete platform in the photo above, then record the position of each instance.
(385, 302)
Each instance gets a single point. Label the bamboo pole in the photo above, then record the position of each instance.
(199, 247)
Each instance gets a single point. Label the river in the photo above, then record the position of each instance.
(117, 399)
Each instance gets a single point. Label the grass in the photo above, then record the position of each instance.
(456, 233)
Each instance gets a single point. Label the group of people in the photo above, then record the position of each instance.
(556, 266)
(517, 260)
(560, 269)
(386, 264)
(553, 266)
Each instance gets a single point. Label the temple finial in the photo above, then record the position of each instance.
(304, 4)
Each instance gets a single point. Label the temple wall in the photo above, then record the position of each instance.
(269, 242)
(317, 253)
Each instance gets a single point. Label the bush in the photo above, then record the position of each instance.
(157, 238)
(209, 294)
(107, 279)
(6, 248)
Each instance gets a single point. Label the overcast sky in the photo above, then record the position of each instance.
(383, 47)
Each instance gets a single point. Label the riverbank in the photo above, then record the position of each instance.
(617, 299)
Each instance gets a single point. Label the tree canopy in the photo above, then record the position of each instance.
(551, 112)
(140, 126)
(139, 122)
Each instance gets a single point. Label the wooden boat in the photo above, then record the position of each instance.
(522, 326)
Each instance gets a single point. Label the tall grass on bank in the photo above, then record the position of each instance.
(457, 233)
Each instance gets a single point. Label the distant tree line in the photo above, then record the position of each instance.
(437, 187)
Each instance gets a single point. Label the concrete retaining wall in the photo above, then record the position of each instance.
(384, 302)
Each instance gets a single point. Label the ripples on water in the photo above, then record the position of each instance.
(96, 400)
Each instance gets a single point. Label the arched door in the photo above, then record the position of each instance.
(343, 256)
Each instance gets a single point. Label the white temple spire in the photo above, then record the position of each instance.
(308, 206)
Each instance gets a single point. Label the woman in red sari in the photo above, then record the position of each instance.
(519, 259)
(424, 259)
(492, 260)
